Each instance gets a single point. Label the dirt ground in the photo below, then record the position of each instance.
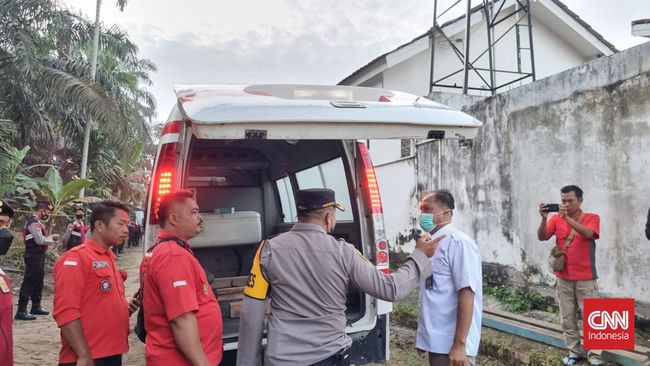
(38, 342)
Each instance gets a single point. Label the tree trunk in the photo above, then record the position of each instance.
(93, 72)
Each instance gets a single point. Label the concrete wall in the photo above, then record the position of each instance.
(589, 126)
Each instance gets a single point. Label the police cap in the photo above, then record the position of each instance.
(316, 198)
(6, 209)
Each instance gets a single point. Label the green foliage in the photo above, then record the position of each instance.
(60, 195)
(47, 97)
(10, 160)
(520, 300)
(405, 315)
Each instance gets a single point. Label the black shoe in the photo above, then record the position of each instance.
(24, 315)
(39, 311)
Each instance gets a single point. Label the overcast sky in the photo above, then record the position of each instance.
(296, 41)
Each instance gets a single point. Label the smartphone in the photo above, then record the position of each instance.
(553, 207)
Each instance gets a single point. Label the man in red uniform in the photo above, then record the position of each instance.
(181, 314)
(575, 233)
(89, 302)
(6, 335)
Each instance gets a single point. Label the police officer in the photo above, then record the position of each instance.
(75, 233)
(307, 324)
(6, 335)
(36, 243)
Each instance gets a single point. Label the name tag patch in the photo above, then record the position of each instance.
(100, 264)
(70, 263)
(179, 283)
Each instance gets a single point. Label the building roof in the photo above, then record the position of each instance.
(559, 3)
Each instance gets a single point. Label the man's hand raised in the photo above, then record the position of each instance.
(428, 245)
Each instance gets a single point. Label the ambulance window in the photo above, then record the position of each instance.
(329, 175)
(286, 200)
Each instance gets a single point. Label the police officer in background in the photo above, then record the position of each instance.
(6, 335)
(307, 325)
(75, 233)
(36, 243)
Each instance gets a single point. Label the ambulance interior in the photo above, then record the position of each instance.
(246, 190)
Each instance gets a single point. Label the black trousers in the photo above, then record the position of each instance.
(341, 358)
(330, 361)
(32, 286)
(104, 361)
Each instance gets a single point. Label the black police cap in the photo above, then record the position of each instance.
(316, 198)
(6, 209)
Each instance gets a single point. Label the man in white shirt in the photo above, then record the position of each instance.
(451, 300)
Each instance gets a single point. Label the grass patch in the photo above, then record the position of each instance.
(405, 315)
(519, 300)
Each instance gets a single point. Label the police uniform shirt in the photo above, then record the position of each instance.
(456, 265)
(306, 273)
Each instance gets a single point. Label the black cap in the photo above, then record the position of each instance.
(44, 204)
(316, 198)
(6, 209)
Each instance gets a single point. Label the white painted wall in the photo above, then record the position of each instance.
(400, 202)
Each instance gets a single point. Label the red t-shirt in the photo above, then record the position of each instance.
(580, 258)
(175, 284)
(88, 286)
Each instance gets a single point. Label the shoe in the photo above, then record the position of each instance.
(39, 311)
(24, 315)
(571, 360)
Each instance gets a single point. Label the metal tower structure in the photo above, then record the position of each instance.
(494, 14)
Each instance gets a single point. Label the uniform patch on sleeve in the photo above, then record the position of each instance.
(179, 283)
(257, 287)
(70, 263)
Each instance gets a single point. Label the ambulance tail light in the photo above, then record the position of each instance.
(164, 177)
(374, 206)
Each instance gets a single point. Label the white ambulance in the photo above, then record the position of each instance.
(246, 149)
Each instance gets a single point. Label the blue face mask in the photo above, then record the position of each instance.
(426, 221)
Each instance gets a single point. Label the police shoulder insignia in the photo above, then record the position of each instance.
(258, 286)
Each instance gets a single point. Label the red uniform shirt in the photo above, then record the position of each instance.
(88, 286)
(175, 284)
(6, 319)
(580, 261)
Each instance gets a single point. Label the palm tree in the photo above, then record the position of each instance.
(35, 94)
(84, 155)
(47, 95)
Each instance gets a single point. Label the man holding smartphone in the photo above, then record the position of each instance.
(575, 234)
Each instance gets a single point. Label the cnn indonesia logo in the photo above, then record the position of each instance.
(608, 324)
